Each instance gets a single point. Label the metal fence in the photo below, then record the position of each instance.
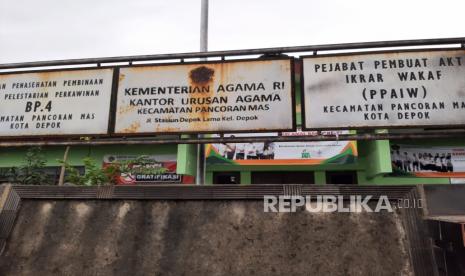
(223, 55)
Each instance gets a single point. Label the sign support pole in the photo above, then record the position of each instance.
(200, 175)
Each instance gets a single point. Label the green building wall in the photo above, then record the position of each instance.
(373, 166)
(10, 157)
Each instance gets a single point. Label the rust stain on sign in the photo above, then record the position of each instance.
(201, 75)
(133, 128)
(203, 78)
(158, 128)
(126, 109)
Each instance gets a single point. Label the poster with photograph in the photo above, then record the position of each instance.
(283, 153)
(146, 169)
(423, 161)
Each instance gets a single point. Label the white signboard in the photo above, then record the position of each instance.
(209, 97)
(424, 88)
(67, 102)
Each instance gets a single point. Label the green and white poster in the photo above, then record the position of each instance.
(284, 153)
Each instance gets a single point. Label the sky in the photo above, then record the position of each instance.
(32, 30)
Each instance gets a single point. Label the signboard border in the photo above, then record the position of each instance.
(272, 58)
(302, 89)
(113, 91)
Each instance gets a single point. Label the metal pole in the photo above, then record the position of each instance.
(63, 167)
(200, 173)
(456, 133)
(204, 27)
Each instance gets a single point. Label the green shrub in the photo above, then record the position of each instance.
(32, 170)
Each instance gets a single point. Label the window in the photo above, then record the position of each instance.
(226, 178)
(341, 177)
(283, 177)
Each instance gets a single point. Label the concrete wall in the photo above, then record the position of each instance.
(146, 237)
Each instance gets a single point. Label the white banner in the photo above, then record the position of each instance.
(427, 161)
(283, 153)
(55, 103)
(209, 97)
(424, 88)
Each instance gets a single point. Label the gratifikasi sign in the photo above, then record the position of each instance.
(155, 169)
(69, 102)
(206, 97)
(392, 89)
